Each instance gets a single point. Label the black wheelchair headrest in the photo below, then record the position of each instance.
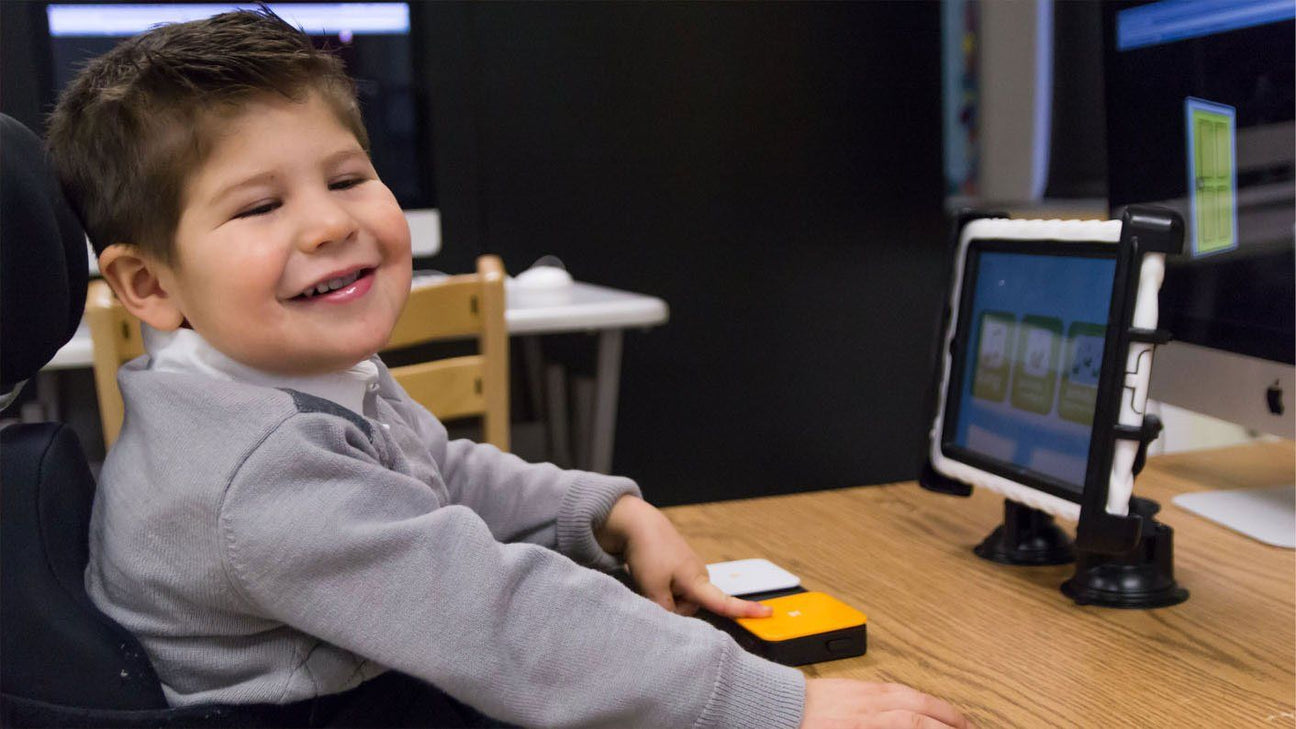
(42, 258)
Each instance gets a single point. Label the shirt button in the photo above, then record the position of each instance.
(385, 426)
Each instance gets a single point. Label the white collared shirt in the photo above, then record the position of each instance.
(185, 350)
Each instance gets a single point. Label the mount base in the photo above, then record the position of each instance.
(1139, 579)
(1027, 537)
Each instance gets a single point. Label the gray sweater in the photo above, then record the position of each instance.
(266, 545)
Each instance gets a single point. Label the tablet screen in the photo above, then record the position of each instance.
(1032, 328)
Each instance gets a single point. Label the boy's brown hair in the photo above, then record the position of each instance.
(136, 121)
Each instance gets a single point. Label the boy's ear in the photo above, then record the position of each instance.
(137, 279)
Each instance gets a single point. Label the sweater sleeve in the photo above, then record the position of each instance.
(534, 502)
(520, 501)
(318, 534)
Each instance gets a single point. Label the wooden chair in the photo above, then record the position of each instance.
(465, 306)
(461, 307)
(116, 338)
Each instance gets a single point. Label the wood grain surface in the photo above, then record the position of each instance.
(1003, 643)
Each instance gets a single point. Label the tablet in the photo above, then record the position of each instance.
(1046, 357)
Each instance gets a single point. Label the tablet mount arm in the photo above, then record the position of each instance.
(1142, 577)
(1127, 560)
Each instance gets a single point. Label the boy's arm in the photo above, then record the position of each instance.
(320, 535)
(535, 502)
(520, 501)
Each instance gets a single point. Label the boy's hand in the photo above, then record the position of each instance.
(837, 703)
(663, 565)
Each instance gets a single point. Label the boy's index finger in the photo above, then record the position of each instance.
(752, 609)
(717, 601)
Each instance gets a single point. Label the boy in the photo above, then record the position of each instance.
(278, 522)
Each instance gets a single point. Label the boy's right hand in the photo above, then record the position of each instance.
(838, 703)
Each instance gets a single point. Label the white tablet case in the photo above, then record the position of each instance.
(1138, 367)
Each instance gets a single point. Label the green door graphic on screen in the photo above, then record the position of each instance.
(993, 356)
(1080, 375)
(1212, 175)
(1035, 366)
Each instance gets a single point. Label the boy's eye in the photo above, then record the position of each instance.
(261, 209)
(346, 183)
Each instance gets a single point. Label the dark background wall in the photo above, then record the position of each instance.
(25, 86)
(773, 171)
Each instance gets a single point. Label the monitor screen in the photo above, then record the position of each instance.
(1032, 329)
(371, 38)
(1199, 99)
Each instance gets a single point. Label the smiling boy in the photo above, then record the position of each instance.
(278, 522)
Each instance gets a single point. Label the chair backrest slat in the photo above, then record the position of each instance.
(450, 388)
(449, 309)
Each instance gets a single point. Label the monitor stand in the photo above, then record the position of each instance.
(1267, 514)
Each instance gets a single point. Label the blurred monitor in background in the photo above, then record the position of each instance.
(1199, 108)
(373, 40)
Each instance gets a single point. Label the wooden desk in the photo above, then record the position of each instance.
(1003, 643)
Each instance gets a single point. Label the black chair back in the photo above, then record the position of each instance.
(43, 276)
(56, 648)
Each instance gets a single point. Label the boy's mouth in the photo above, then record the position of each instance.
(330, 285)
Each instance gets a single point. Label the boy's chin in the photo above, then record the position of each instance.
(328, 365)
(306, 364)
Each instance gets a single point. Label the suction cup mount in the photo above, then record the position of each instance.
(1139, 579)
(1026, 537)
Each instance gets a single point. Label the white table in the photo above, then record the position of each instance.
(584, 307)
(579, 307)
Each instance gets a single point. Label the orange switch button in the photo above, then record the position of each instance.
(802, 614)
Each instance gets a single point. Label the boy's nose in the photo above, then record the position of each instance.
(324, 223)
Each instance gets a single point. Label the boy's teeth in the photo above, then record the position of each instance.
(332, 285)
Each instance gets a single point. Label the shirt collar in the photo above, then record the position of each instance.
(185, 350)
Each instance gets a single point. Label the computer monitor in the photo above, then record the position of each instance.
(1199, 107)
(373, 40)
